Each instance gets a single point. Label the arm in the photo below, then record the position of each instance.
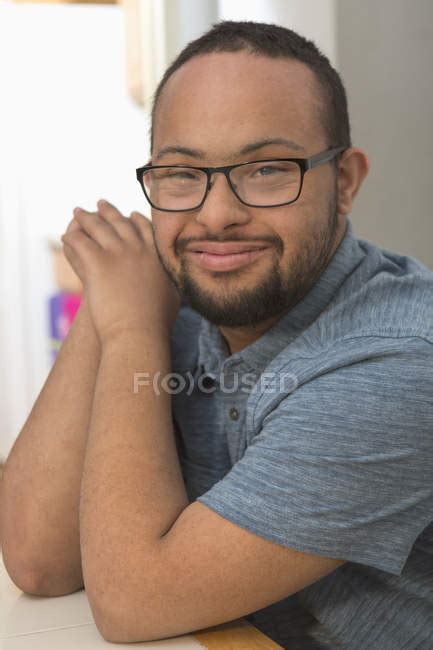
(42, 475)
(355, 489)
(155, 566)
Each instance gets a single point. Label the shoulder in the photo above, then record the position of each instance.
(387, 294)
(350, 379)
(383, 306)
(383, 311)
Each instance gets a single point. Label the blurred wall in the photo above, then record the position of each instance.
(70, 134)
(385, 53)
(314, 19)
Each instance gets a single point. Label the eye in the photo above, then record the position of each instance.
(179, 174)
(267, 171)
(188, 175)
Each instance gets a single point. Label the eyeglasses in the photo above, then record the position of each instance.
(258, 184)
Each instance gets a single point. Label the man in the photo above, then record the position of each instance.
(301, 413)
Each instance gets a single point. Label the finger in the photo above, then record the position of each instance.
(118, 221)
(74, 261)
(97, 228)
(73, 225)
(83, 246)
(143, 225)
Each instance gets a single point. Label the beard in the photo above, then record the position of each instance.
(277, 293)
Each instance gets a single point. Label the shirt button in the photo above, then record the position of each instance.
(234, 413)
(208, 381)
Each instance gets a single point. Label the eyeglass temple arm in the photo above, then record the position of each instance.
(324, 157)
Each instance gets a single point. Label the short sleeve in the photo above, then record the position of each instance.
(343, 466)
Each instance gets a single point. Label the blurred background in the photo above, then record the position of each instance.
(75, 85)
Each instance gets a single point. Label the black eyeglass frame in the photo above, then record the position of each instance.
(304, 164)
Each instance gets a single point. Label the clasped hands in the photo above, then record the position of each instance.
(123, 280)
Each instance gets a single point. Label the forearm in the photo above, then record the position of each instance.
(42, 477)
(132, 487)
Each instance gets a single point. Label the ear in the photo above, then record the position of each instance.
(353, 167)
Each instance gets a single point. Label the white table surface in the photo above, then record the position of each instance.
(66, 622)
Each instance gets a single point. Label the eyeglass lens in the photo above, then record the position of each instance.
(259, 183)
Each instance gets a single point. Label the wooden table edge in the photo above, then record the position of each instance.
(235, 635)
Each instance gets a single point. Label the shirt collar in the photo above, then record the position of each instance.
(213, 352)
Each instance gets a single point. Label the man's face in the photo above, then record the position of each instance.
(219, 103)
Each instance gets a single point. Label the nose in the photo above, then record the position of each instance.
(222, 208)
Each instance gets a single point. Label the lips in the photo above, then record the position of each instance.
(227, 248)
(226, 261)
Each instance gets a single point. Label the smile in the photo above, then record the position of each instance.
(225, 262)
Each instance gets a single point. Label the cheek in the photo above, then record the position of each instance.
(166, 231)
(290, 224)
(319, 186)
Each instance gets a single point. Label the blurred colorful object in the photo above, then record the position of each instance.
(62, 307)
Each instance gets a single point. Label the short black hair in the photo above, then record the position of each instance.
(273, 41)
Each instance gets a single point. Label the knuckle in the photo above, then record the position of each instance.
(73, 234)
(109, 212)
(125, 225)
(73, 227)
(142, 223)
(115, 246)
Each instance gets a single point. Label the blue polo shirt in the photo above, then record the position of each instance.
(319, 436)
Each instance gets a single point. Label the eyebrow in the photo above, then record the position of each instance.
(252, 146)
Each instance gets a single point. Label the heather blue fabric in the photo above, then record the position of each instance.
(332, 449)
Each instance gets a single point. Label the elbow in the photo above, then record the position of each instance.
(119, 623)
(20, 566)
(112, 637)
(123, 635)
(37, 582)
(110, 630)
(108, 624)
(29, 581)
(23, 575)
(126, 607)
(141, 629)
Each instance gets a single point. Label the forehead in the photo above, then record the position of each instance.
(218, 102)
